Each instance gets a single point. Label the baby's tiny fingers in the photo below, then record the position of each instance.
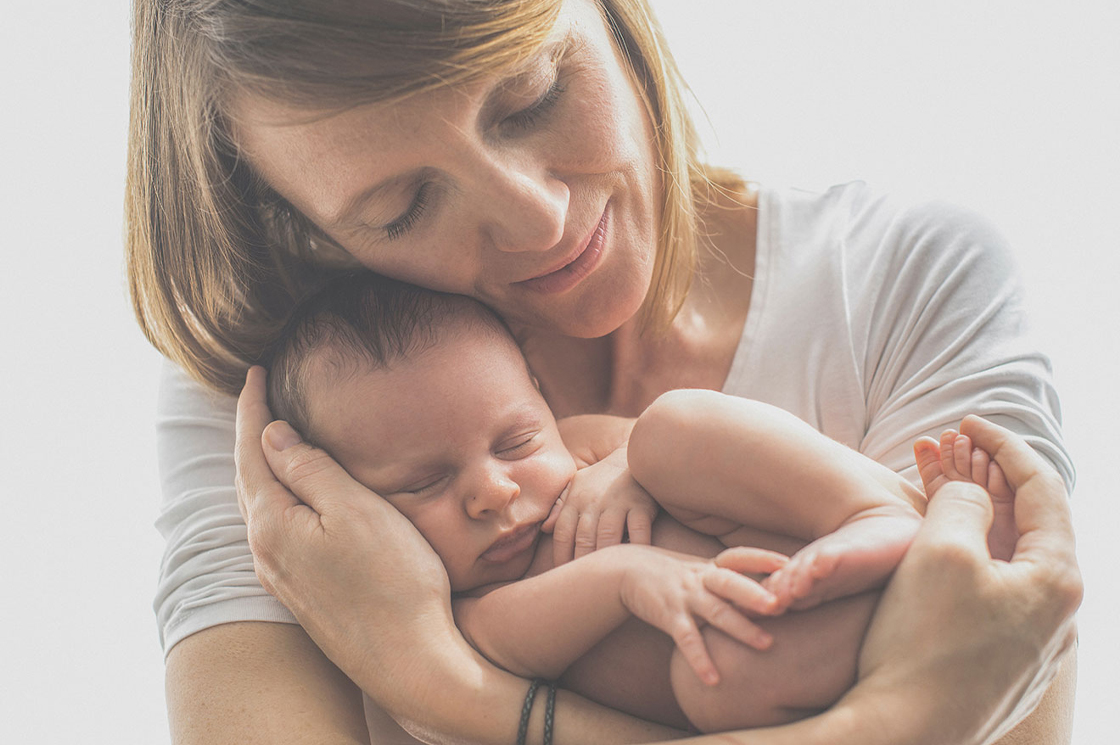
(611, 526)
(564, 537)
(727, 619)
(554, 514)
(691, 644)
(748, 560)
(586, 533)
(744, 592)
(639, 527)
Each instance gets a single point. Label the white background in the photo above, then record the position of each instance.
(1008, 107)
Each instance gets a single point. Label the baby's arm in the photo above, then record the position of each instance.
(538, 627)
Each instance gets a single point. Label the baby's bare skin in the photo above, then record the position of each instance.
(636, 668)
(744, 463)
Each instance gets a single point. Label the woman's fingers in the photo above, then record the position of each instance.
(958, 518)
(314, 477)
(255, 480)
(1042, 515)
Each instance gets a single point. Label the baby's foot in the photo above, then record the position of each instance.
(955, 459)
(857, 556)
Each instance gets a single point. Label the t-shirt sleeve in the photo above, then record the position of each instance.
(947, 335)
(206, 577)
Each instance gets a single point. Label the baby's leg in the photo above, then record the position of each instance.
(810, 665)
(955, 458)
(718, 463)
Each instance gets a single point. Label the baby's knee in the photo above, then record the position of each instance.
(811, 664)
(655, 440)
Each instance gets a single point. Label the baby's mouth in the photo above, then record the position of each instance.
(512, 544)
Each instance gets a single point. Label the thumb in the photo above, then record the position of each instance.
(959, 516)
(309, 472)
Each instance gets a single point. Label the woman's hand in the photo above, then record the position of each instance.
(962, 644)
(359, 577)
(677, 593)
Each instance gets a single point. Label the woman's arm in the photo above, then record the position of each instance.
(247, 683)
(374, 597)
(239, 668)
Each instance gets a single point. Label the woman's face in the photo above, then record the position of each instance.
(536, 192)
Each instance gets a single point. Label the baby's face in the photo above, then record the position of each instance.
(459, 439)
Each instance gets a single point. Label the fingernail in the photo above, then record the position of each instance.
(281, 436)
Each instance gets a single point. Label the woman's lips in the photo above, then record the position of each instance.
(513, 544)
(575, 268)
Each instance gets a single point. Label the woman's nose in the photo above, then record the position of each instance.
(526, 208)
(492, 492)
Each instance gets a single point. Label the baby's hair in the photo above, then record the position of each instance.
(357, 322)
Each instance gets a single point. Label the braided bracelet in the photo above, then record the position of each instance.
(526, 710)
(548, 712)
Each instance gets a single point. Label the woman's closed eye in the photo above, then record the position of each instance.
(400, 226)
(525, 119)
(539, 109)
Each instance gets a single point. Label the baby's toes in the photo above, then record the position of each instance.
(778, 585)
(962, 458)
(948, 459)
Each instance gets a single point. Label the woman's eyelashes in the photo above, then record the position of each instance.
(525, 119)
(532, 115)
(399, 227)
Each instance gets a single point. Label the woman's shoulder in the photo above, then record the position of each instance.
(855, 241)
(848, 217)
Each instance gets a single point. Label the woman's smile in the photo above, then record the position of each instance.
(575, 266)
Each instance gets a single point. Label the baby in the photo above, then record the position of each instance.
(426, 399)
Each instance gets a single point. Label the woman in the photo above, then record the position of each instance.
(536, 156)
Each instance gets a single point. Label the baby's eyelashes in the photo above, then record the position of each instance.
(518, 447)
(425, 485)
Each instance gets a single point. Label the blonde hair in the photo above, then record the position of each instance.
(217, 260)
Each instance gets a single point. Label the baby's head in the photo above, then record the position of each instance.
(425, 399)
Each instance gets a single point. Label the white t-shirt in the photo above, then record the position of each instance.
(875, 322)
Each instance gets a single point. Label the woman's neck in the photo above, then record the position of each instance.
(623, 372)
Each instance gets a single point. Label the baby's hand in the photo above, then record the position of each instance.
(672, 592)
(601, 505)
